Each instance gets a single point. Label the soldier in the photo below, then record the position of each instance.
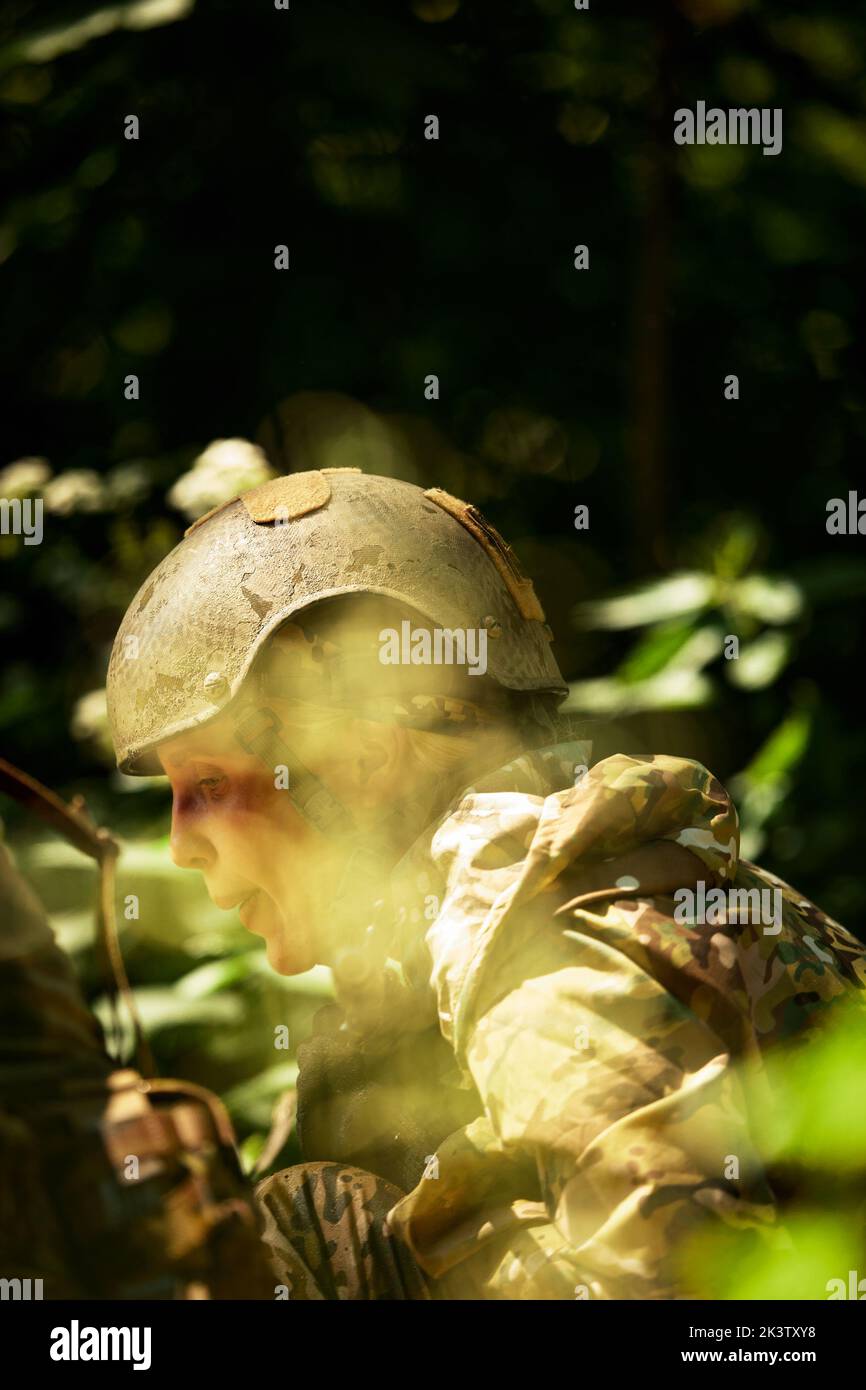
(111, 1185)
(546, 971)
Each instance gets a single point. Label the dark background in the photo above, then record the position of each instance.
(557, 387)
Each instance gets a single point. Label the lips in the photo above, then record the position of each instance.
(245, 905)
(227, 904)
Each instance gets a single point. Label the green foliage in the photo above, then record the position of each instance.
(682, 659)
(154, 257)
(808, 1121)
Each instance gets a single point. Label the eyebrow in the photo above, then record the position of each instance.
(181, 760)
(177, 759)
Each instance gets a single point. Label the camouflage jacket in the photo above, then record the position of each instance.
(595, 1027)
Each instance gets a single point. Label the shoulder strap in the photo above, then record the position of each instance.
(75, 824)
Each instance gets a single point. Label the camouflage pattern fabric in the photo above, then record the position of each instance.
(50, 1047)
(598, 1035)
(327, 1236)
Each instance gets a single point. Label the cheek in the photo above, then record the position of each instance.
(257, 829)
(247, 794)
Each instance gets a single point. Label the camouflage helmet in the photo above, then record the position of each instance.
(194, 629)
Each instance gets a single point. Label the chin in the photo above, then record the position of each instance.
(288, 958)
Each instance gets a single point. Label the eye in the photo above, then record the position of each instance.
(214, 786)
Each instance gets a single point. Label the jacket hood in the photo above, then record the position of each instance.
(508, 840)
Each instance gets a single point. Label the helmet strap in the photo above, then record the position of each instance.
(258, 733)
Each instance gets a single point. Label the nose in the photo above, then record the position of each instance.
(189, 845)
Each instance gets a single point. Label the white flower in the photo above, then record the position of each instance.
(24, 476)
(90, 715)
(226, 468)
(127, 484)
(89, 724)
(78, 490)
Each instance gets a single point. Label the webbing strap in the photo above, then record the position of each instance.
(359, 882)
(74, 823)
(258, 733)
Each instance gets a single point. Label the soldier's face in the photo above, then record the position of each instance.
(241, 831)
(234, 821)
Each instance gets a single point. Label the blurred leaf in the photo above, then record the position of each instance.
(682, 648)
(703, 646)
(161, 1008)
(253, 1101)
(146, 330)
(282, 1123)
(654, 651)
(782, 751)
(760, 662)
(671, 689)
(730, 545)
(713, 167)
(250, 1151)
(208, 979)
(763, 786)
(818, 1114)
(74, 931)
(826, 44)
(768, 597)
(144, 14)
(790, 236)
(317, 983)
(794, 1261)
(808, 1121)
(837, 139)
(674, 597)
(746, 80)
